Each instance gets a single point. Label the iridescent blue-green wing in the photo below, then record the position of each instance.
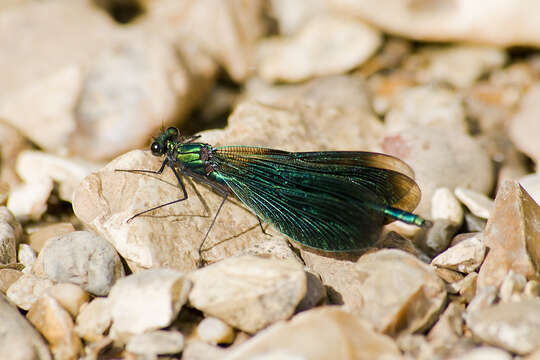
(395, 184)
(316, 208)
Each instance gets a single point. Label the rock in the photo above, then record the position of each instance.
(426, 105)
(41, 234)
(454, 159)
(315, 293)
(82, 258)
(304, 117)
(325, 45)
(38, 166)
(511, 236)
(324, 333)
(148, 300)
(94, 319)
(10, 235)
(474, 223)
(150, 86)
(42, 110)
(532, 289)
(466, 287)
(27, 289)
(29, 201)
(97, 350)
(449, 328)
(512, 287)
(391, 289)
(464, 257)
(56, 325)
(392, 303)
(291, 15)
(214, 331)
(70, 296)
(479, 204)
(275, 247)
(471, 23)
(448, 276)
(531, 184)
(8, 277)
(445, 206)
(27, 256)
(512, 326)
(198, 350)
(42, 75)
(439, 235)
(484, 352)
(458, 65)
(156, 342)
(485, 297)
(523, 124)
(223, 29)
(248, 293)
(13, 143)
(19, 339)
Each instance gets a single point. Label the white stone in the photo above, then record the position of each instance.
(19, 339)
(214, 331)
(247, 292)
(82, 258)
(68, 173)
(145, 301)
(27, 289)
(464, 257)
(94, 319)
(326, 45)
(478, 203)
(156, 342)
(29, 201)
(485, 22)
(444, 205)
(27, 256)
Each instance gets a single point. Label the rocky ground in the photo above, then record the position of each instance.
(451, 88)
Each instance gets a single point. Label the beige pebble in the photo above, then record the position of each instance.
(56, 325)
(94, 319)
(145, 301)
(214, 331)
(70, 296)
(479, 204)
(247, 292)
(26, 290)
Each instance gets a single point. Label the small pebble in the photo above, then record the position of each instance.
(94, 319)
(145, 301)
(27, 256)
(248, 292)
(82, 258)
(8, 277)
(27, 289)
(479, 204)
(464, 257)
(158, 342)
(214, 331)
(56, 325)
(70, 296)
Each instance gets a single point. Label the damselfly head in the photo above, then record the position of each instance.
(159, 146)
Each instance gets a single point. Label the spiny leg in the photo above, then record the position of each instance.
(225, 195)
(262, 228)
(178, 178)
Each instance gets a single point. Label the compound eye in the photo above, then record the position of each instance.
(172, 132)
(156, 149)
